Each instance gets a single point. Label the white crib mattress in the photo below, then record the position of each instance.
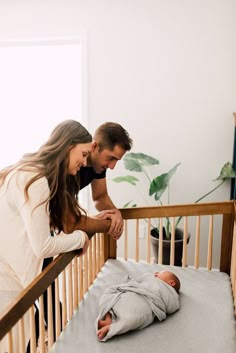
(205, 322)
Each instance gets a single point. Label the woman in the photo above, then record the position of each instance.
(36, 196)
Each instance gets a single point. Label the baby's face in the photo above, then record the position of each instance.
(165, 276)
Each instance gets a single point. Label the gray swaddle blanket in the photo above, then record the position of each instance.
(135, 303)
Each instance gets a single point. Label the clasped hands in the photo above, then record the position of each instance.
(115, 228)
(117, 223)
(107, 221)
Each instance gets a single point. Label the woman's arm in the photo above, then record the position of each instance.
(35, 219)
(89, 225)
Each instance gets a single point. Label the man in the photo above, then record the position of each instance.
(111, 142)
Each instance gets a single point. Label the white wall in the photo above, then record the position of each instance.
(163, 69)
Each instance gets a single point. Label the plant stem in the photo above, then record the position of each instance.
(210, 191)
(148, 177)
(202, 197)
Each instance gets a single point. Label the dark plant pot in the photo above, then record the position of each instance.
(166, 246)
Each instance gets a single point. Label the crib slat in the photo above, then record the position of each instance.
(21, 335)
(137, 241)
(10, 342)
(96, 254)
(81, 288)
(98, 251)
(93, 256)
(70, 290)
(102, 252)
(41, 326)
(149, 241)
(90, 262)
(50, 318)
(64, 299)
(126, 240)
(160, 249)
(210, 244)
(32, 330)
(197, 243)
(85, 270)
(184, 259)
(172, 243)
(57, 308)
(75, 282)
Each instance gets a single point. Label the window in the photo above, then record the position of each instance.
(42, 83)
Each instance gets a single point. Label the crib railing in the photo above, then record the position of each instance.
(69, 276)
(219, 227)
(209, 224)
(220, 220)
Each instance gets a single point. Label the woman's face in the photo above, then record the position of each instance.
(78, 157)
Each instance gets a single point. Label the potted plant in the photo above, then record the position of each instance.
(157, 186)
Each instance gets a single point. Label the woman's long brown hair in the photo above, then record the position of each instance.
(51, 161)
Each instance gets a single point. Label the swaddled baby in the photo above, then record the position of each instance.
(136, 303)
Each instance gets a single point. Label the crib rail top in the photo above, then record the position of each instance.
(209, 208)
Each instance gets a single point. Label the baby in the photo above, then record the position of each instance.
(123, 314)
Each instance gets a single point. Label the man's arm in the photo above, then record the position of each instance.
(103, 202)
(89, 225)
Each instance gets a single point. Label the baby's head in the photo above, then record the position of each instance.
(170, 278)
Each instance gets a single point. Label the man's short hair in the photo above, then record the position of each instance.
(110, 134)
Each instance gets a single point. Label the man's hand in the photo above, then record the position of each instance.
(117, 223)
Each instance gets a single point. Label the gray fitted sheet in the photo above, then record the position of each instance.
(205, 322)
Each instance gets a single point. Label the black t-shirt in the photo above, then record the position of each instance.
(87, 174)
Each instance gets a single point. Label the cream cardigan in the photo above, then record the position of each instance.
(25, 238)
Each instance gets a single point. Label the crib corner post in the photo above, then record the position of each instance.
(226, 242)
(109, 247)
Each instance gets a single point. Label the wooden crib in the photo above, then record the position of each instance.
(75, 276)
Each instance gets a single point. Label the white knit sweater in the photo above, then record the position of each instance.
(25, 238)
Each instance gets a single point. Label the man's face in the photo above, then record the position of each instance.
(105, 159)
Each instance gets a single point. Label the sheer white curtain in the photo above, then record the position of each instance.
(41, 84)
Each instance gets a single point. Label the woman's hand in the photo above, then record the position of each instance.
(117, 223)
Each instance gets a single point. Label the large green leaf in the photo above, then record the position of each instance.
(160, 183)
(227, 172)
(136, 161)
(127, 178)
